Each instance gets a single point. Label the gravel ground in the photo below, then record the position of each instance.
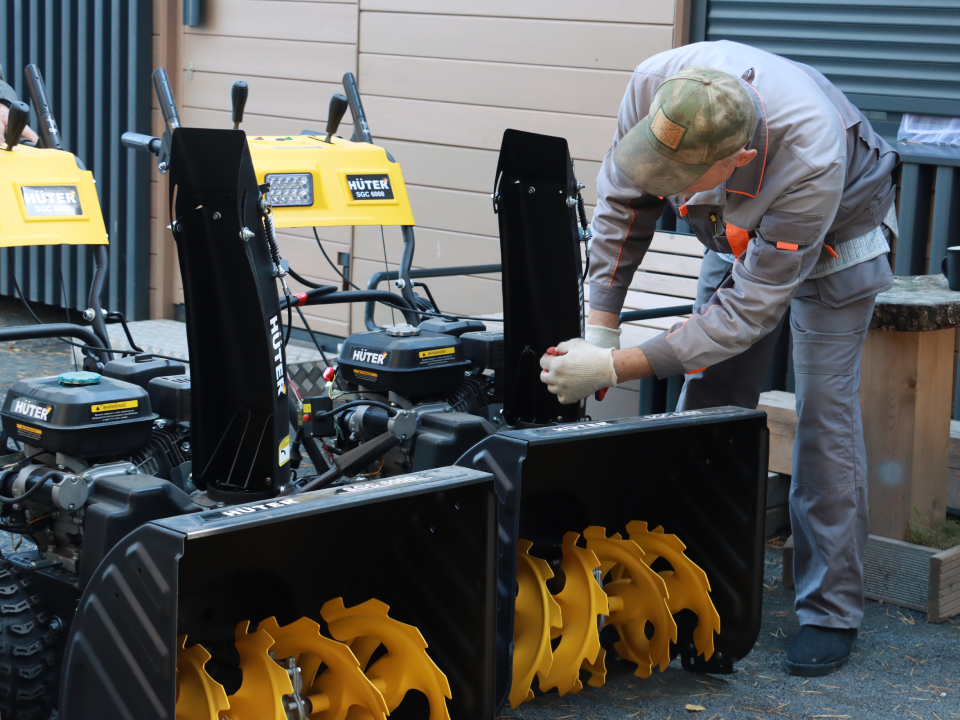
(899, 668)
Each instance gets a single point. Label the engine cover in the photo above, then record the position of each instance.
(428, 363)
(109, 417)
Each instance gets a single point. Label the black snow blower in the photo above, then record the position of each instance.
(501, 544)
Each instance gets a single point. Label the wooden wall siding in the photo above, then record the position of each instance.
(441, 80)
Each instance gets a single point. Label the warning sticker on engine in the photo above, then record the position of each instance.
(112, 412)
(31, 433)
(285, 451)
(437, 356)
(370, 187)
(365, 375)
(51, 200)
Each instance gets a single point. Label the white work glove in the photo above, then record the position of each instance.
(603, 337)
(577, 370)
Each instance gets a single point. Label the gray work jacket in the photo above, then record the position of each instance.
(821, 172)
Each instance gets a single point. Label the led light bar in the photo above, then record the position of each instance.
(290, 189)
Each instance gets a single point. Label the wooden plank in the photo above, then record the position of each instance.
(618, 11)
(481, 127)
(953, 482)
(281, 20)
(258, 57)
(304, 99)
(619, 46)
(453, 210)
(497, 84)
(683, 289)
(944, 589)
(897, 572)
(252, 124)
(657, 262)
(463, 168)
(677, 244)
(434, 248)
(906, 418)
(932, 438)
(782, 423)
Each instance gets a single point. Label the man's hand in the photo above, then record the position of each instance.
(28, 134)
(577, 370)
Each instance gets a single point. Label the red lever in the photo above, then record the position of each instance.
(329, 373)
(600, 394)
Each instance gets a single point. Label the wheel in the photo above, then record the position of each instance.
(30, 650)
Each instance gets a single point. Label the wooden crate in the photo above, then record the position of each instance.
(903, 574)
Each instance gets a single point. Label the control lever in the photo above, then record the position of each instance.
(362, 130)
(16, 122)
(47, 125)
(168, 106)
(171, 118)
(338, 106)
(238, 96)
(144, 143)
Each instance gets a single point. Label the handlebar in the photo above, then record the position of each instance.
(46, 125)
(16, 121)
(168, 106)
(356, 108)
(238, 99)
(144, 143)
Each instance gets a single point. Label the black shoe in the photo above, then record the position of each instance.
(819, 650)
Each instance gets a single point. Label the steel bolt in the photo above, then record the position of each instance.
(246, 234)
(162, 167)
(185, 447)
(531, 189)
(571, 201)
(89, 314)
(580, 186)
(399, 283)
(217, 216)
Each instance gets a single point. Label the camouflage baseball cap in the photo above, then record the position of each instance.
(698, 116)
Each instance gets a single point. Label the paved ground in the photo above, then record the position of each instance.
(899, 669)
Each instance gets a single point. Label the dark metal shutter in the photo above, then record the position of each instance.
(886, 56)
(95, 56)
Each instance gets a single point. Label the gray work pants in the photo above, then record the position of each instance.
(828, 496)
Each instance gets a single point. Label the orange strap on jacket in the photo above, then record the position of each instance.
(738, 238)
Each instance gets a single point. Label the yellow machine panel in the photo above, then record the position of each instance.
(318, 184)
(46, 199)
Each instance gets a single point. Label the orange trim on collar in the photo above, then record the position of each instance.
(766, 146)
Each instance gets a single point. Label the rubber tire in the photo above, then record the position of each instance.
(30, 651)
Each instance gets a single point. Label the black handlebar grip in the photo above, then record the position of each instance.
(238, 96)
(46, 123)
(338, 106)
(356, 107)
(16, 122)
(144, 143)
(168, 106)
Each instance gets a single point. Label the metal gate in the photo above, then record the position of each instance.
(95, 56)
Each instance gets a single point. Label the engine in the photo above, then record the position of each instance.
(97, 458)
(446, 373)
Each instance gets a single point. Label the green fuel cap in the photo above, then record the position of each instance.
(79, 378)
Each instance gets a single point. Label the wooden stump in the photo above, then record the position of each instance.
(905, 397)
